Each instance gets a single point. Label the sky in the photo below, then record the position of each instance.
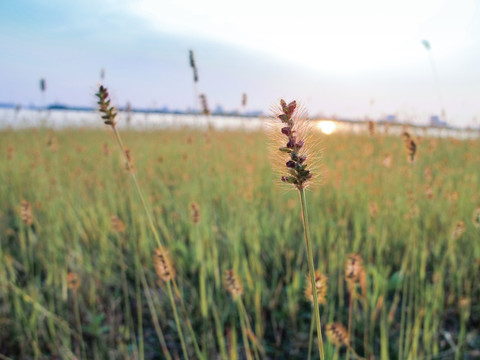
(350, 59)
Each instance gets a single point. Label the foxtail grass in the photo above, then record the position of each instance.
(292, 133)
(163, 264)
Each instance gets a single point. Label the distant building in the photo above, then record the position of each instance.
(391, 118)
(435, 121)
(218, 110)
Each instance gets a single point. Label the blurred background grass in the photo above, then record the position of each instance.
(370, 202)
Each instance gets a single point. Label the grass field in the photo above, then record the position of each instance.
(77, 276)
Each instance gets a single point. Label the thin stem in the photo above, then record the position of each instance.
(311, 266)
(257, 346)
(140, 194)
(310, 339)
(244, 335)
(156, 324)
(177, 321)
(350, 310)
(76, 309)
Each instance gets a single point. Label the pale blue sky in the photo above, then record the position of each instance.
(335, 56)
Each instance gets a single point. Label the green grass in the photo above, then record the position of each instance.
(249, 223)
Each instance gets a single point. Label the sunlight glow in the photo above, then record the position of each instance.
(326, 126)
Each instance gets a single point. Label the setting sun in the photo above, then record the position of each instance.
(326, 126)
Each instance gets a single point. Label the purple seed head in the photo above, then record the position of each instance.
(291, 143)
(290, 164)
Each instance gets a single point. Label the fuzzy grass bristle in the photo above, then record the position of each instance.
(73, 281)
(337, 334)
(233, 283)
(294, 150)
(355, 273)
(26, 213)
(117, 224)
(371, 127)
(353, 267)
(458, 230)
(476, 218)
(163, 265)
(129, 163)
(320, 284)
(410, 146)
(195, 213)
(203, 101)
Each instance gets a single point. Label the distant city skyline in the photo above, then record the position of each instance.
(346, 59)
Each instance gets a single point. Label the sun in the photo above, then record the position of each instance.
(326, 126)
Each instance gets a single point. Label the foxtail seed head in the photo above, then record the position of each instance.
(26, 213)
(337, 334)
(353, 267)
(73, 282)
(233, 284)
(163, 265)
(458, 230)
(195, 213)
(117, 224)
(355, 273)
(104, 106)
(476, 218)
(292, 132)
(193, 65)
(410, 146)
(244, 99)
(371, 127)
(320, 284)
(203, 100)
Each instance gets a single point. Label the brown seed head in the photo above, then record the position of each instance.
(337, 334)
(26, 213)
(410, 146)
(203, 100)
(129, 165)
(476, 218)
(429, 192)
(117, 224)
(353, 268)
(73, 281)
(464, 303)
(163, 265)
(10, 152)
(371, 127)
(387, 161)
(458, 230)
(373, 209)
(233, 283)
(106, 150)
(321, 286)
(195, 213)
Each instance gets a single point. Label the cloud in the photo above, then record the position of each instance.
(340, 36)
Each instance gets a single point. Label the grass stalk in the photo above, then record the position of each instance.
(301, 192)
(177, 321)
